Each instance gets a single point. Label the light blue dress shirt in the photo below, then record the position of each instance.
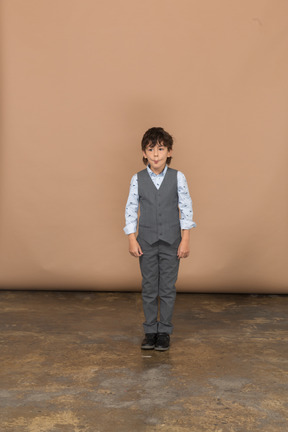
(184, 201)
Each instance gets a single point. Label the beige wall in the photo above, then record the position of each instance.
(82, 81)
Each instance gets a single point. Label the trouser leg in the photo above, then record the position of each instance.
(168, 273)
(149, 269)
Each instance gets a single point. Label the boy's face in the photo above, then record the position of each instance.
(157, 157)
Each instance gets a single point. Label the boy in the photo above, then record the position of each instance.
(161, 192)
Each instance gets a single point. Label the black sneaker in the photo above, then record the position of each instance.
(149, 341)
(162, 342)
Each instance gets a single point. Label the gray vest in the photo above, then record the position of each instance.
(159, 213)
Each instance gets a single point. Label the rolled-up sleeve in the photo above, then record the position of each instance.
(185, 203)
(131, 209)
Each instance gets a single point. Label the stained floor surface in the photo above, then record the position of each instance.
(71, 361)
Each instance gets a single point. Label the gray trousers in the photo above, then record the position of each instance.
(159, 266)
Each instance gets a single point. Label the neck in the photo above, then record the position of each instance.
(157, 171)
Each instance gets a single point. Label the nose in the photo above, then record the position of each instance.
(155, 151)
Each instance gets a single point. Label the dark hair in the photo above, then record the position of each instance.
(157, 135)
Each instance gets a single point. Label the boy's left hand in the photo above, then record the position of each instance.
(183, 249)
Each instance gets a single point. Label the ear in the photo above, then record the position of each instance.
(144, 154)
(170, 153)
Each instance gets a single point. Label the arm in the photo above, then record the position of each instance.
(131, 217)
(186, 221)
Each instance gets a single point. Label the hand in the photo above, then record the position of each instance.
(183, 249)
(134, 247)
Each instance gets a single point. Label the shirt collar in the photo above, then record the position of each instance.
(152, 174)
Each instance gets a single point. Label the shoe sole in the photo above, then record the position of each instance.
(161, 349)
(149, 347)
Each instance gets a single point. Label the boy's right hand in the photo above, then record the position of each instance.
(134, 247)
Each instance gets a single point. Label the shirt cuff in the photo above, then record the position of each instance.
(187, 225)
(130, 228)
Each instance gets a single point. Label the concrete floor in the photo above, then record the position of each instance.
(71, 361)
